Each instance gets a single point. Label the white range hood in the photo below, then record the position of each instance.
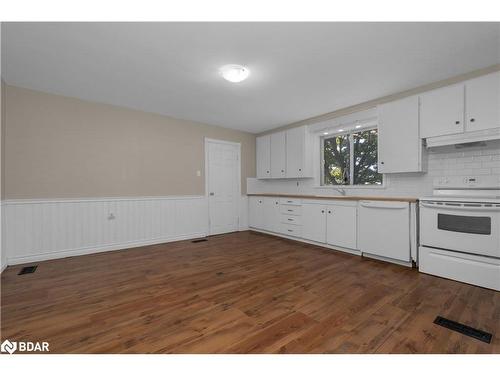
(466, 137)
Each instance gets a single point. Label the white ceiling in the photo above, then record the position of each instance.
(298, 70)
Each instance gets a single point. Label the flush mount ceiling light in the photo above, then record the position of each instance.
(234, 73)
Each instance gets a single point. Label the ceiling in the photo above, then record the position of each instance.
(298, 70)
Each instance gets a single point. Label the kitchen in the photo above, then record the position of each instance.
(439, 204)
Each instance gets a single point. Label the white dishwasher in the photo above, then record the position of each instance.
(384, 229)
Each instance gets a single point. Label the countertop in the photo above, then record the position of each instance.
(341, 197)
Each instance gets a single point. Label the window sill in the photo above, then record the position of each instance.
(348, 187)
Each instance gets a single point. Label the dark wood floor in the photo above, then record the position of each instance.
(241, 293)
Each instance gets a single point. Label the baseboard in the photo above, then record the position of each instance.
(100, 249)
(3, 268)
(320, 244)
(390, 260)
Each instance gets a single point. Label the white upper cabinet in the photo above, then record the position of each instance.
(285, 154)
(263, 151)
(399, 143)
(482, 102)
(442, 111)
(298, 154)
(278, 155)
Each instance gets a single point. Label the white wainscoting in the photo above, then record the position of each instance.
(36, 230)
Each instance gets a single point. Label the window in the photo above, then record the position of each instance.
(350, 159)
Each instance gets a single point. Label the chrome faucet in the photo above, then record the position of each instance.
(341, 191)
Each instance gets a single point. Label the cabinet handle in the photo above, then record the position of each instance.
(290, 230)
(282, 170)
(290, 210)
(457, 122)
(276, 202)
(322, 211)
(329, 211)
(290, 219)
(381, 162)
(300, 169)
(267, 171)
(472, 119)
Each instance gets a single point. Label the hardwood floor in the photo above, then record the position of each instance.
(241, 293)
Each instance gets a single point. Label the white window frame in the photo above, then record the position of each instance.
(349, 132)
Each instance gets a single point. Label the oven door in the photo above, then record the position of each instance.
(468, 227)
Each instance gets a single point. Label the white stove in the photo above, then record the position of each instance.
(460, 230)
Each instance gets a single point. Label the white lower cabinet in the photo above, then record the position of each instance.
(314, 222)
(378, 228)
(256, 212)
(341, 225)
(334, 224)
(272, 214)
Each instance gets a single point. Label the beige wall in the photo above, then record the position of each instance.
(60, 147)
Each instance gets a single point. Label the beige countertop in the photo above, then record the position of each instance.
(341, 197)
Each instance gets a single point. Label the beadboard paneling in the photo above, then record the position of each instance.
(37, 230)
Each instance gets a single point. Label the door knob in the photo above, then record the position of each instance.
(472, 120)
(457, 122)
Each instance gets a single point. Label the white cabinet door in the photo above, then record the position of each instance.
(295, 152)
(256, 212)
(314, 222)
(483, 102)
(442, 111)
(341, 226)
(384, 229)
(271, 214)
(399, 143)
(263, 151)
(278, 155)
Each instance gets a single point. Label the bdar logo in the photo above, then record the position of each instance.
(8, 347)
(24, 346)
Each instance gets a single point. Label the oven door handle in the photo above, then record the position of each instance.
(459, 207)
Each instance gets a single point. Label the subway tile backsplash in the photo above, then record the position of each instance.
(479, 160)
(441, 162)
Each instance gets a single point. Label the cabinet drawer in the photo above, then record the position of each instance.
(291, 230)
(295, 202)
(468, 268)
(288, 209)
(290, 219)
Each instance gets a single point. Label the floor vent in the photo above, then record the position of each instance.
(26, 270)
(463, 329)
(199, 240)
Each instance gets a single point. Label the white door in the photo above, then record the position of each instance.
(341, 226)
(278, 155)
(223, 185)
(442, 111)
(314, 222)
(483, 102)
(263, 151)
(399, 144)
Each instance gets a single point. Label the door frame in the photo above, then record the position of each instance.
(207, 141)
